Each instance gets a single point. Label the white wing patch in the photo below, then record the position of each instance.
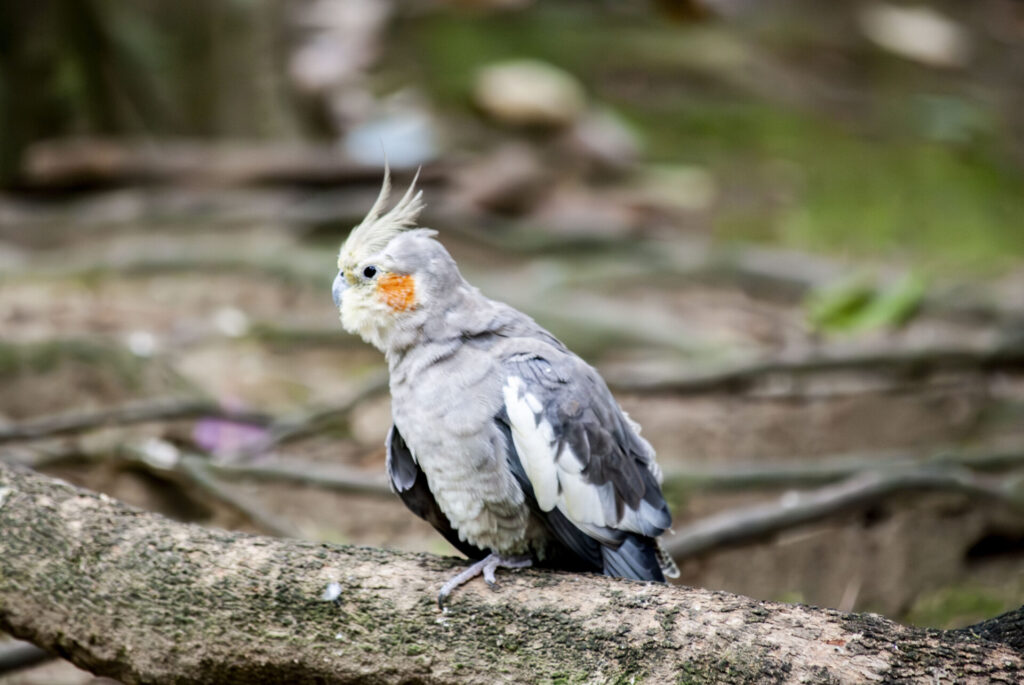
(557, 478)
(534, 442)
(580, 500)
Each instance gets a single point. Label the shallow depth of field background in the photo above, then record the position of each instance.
(789, 233)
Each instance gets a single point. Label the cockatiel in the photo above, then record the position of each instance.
(510, 445)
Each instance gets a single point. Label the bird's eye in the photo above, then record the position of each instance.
(370, 272)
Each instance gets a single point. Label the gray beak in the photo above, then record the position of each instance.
(338, 289)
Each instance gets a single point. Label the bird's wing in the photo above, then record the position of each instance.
(591, 476)
(410, 483)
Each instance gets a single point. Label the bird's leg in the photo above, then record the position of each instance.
(486, 566)
(494, 562)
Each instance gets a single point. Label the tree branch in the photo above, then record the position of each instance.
(911, 362)
(196, 469)
(287, 430)
(60, 164)
(174, 409)
(146, 411)
(829, 469)
(336, 477)
(140, 598)
(793, 509)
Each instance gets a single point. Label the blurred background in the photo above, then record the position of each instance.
(789, 233)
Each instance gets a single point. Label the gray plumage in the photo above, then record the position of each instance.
(503, 439)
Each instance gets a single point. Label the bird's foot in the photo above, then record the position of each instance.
(486, 567)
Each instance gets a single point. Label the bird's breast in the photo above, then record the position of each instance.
(446, 413)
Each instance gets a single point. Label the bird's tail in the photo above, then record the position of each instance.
(665, 560)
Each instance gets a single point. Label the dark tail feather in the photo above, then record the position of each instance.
(665, 560)
(636, 558)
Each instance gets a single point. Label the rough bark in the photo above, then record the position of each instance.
(135, 596)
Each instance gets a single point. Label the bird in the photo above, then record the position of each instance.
(504, 440)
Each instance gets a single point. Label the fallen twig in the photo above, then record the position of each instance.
(756, 522)
(338, 478)
(59, 164)
(829, 469)
(916, 362)
(288, 430)
(744, 477)
(164, 458)
(144, 411)
(39, 457)
(196, 468)
(173, 409)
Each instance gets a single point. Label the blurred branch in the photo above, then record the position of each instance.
(39, 457)
(339, 478)
(15, 655)
(762, 272)
(333, 336)
(281, 430)
(288, 430)
(745, 478)
(793, 509)
(162, 458)
(196, 469)
(74, 163)
(298, 267)
(824, 470)
(912, 363)
(145, 411)
(335, 477)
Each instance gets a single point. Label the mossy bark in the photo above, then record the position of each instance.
(140, 598)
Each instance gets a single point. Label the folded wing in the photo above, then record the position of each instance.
(588, 473)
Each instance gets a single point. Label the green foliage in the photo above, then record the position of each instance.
(855, 304)
(835, 306)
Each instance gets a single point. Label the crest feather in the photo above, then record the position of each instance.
(376, 230)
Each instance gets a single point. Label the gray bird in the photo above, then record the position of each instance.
(510, 445)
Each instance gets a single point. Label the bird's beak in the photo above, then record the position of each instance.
(338, 289)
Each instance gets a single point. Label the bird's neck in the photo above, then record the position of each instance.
(433, 334)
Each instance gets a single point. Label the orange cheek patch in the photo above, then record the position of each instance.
(397, 291)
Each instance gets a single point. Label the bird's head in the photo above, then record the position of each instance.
(390, 272)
